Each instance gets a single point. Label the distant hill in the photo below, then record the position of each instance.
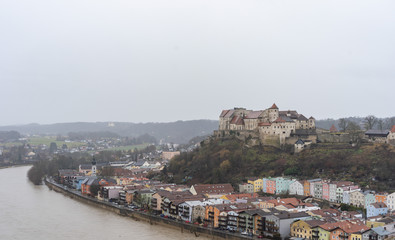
(176, 132)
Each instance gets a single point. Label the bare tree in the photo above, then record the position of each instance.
(370, 121)
(343, 124)
(389, 122)
(380, 124)
(355, 132)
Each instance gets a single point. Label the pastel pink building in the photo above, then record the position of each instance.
(325, 191)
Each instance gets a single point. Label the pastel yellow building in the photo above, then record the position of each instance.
(373, 224)
(258, 184)
(356, 236)
(306, 228)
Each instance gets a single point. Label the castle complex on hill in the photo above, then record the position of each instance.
(269, 126)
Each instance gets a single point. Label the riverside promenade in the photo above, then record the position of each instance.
(146, 217)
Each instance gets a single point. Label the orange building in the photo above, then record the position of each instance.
(306, 188)
(211, 215)
(381, 197)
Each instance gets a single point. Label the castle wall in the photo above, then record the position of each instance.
(292, 140)
(251, 124)
(334, 138)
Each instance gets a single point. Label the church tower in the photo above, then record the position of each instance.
(93, 167)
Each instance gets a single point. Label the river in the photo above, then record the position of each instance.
(35, 212)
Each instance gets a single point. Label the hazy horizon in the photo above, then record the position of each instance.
(164, 61)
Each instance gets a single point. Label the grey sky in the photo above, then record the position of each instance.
(168, 60)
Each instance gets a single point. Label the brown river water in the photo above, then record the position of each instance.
(35, 212)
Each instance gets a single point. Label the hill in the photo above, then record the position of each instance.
(176, 132)
(232, 161)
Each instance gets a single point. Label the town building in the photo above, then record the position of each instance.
(376, 209)
(246, 188)
(296, 188)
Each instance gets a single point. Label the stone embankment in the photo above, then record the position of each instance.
(143, 216)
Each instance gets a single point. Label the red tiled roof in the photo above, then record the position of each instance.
(378, 205)
(326, 212)
(213, 188)
(237, 120)
(393, 129)
(329, 226)
(264, 124)
(223, 113)
(233, 197)
(274, 106)
(229, 113)
(285, 201)
(279, 120)
(350, 227)
(333, 128)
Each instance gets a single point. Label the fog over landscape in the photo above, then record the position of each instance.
(163, 61)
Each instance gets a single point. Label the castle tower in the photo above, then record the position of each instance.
(273, 113)
(311, 123)
(93, 167)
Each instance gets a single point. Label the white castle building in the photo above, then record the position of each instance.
(268, 125)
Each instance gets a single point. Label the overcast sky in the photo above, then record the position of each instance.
(168, 60)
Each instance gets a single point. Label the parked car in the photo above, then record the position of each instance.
(244, 233)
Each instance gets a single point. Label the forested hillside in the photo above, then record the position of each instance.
(232, 161)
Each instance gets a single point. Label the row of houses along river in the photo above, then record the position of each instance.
(35, 212)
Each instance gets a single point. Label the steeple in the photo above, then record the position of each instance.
(93, 167)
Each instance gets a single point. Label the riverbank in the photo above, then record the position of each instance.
(16, 165)
(184, 228)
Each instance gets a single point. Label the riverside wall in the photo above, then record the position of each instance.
(151, 219)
